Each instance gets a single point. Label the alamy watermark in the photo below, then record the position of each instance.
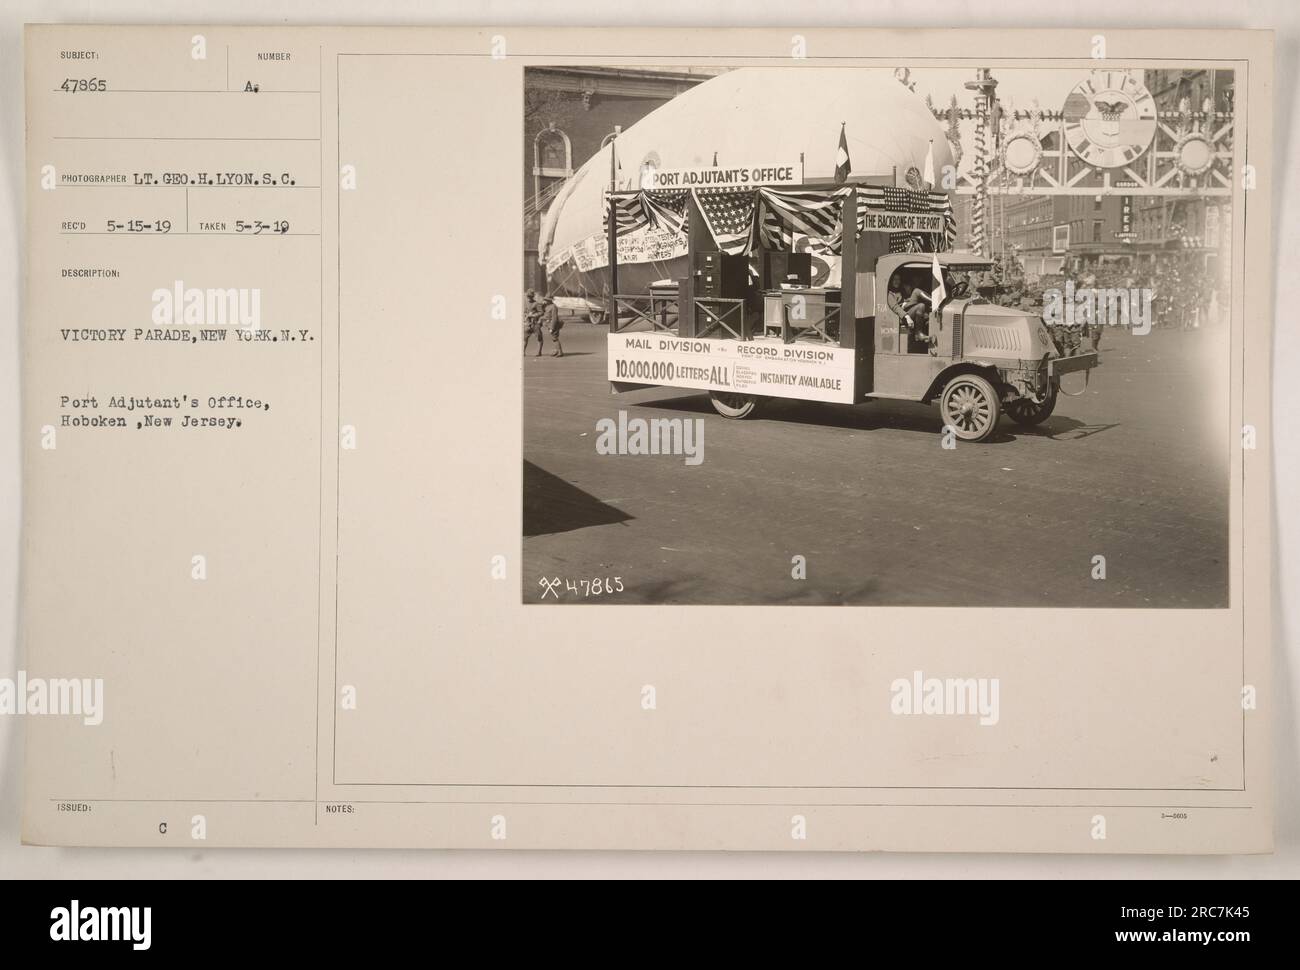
(955, 696)
(75, 923)
(212, 307)
(651, 436)
(1093, 306)
(79, 697)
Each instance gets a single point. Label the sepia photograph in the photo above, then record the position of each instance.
(911, 336)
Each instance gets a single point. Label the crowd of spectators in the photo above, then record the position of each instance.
(1184, 296)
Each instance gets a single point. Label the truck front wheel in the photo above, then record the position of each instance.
(969, 405)
(733, 405)
(1026, 412)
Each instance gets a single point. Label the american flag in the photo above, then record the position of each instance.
(659, 209)
(784, 215)
(734, 215)
(729, 214)
(816, 214)
(628, 213)
(887, 199)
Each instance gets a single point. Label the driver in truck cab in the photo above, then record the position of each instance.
(911, 305)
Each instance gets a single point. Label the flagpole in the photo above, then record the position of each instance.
(612, 229)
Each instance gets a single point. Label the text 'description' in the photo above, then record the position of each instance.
(767, 368)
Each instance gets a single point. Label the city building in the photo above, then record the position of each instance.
(1193, 224)
(1044, 232)
(567, 114)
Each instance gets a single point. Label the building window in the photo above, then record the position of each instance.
(552, 157)
(552, 153)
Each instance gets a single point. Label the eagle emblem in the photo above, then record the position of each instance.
(1110, 110)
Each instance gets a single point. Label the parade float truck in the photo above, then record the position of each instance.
(748, 325)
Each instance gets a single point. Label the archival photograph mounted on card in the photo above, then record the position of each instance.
(914, 390)
(968, 348)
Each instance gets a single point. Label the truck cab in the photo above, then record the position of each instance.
(977, 359)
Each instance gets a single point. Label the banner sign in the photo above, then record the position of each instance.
(786, 173)
(874, 220)
(811, 372)
(1125, 230)
(643, 246)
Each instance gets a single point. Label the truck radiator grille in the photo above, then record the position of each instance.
(994, 338)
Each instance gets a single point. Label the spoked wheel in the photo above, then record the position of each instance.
(596, 316)
(1026, 412)
(970, 407)
(733, 405)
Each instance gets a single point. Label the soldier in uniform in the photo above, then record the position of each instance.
(550, 320)
(532, 320)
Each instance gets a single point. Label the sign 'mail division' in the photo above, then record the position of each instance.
(770, 369)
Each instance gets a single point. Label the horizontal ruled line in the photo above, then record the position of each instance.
(627, 804)
(176, 138)
(173, 185)
(276, 235)
(189, 91)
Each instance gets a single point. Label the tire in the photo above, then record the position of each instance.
(970, 406)
(736, 406)
(1025, 412)
(596, 316)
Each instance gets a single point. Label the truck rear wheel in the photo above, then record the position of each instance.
(969, 405)
(1026, 412)
(733, 405)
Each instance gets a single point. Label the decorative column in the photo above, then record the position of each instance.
(983, 86)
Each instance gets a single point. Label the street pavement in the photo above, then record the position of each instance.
(1135, 470)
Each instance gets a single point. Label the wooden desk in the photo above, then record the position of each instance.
(809, 311)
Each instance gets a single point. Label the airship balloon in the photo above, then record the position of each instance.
(750, 116)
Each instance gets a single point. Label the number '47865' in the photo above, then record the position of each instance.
(75, 84)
